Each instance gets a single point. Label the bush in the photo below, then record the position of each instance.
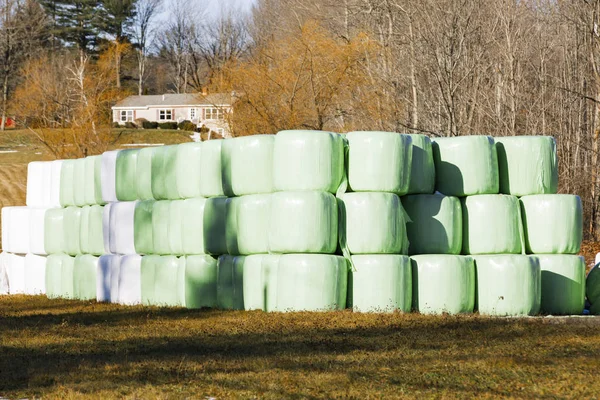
(187, 126)
(140, 122)
(130, 125)
(168, 125)
(149, 124)
(116, 125)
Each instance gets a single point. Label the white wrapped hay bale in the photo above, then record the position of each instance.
(107, 278)
(211, 182)
(491, 225)
(563, 284)
(508, 285)
(434, 224)
(54, 231)
(553, 223)
(311, 282)
(143, 171)
(422, 171)
(16, 229)
(15, 271)
(142, 227)
(56, 173)
(85, 272)
(443, 284)
(108, 168)
(253, 224)
(35, 274)
(67, 183)
(527, 165)
(200, 281)
(303, 222)
(121, 227)
(126, 175)
(106, 227)
(230, 282)
(130, 280)
(260, 281)
(372, 223)
(247, 165)
(379, 161)
(91, 230)
(39, 181)
(465, 165)
(380, 283)
(308, 160)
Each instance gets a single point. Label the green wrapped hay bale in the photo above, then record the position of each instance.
(379, 162)
(372, 223)
(303, 222)
(563, 284)
(72, 229)
(54, 275)
(553, 223)
(527, 165)
(142, 227)
(84, 277)
(97, 160)
(380, 283)
(67, 290)
(90, 233)
(126, 175)
(54, 230)
(187, 169)
(508, 285)
(491, 225)
(203, 226)
(253, 223)
(247, 165)
(443, 284)
(176, 216)
(595, 309)
(466, 165)
(311, 282)
(147, 279)
(67, 183)
(230, 282)
(200, 281)
(164, 182)
(592, 285)
(260, 282)
(211, 183)
(160, 227)
(89, 181)
(169, 281)
(143, 174)
(422, 171)
(79, 182)
(231, 225)
(434, 224)
(308, 160)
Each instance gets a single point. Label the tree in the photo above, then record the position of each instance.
(144, 29)
(118, 19)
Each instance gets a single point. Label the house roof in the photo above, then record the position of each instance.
(173, 99)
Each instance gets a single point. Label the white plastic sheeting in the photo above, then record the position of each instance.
(35, 274)
(247, 165)
(16, 229)
(107, 280)
(39, 181)
(121, 228)
(15, 271)
(37, 223)
(108, 176)
(106, 227)
(130, 280)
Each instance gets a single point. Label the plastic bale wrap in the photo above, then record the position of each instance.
(211, 183)
(527, 165)
(67, 282)
(143, 171)
(142, 227)
(79, 182)
(15, 271)
(108, 175)
(85, 272)
(4, 284)
(553, 223)
(54, 236)
(187, 169)
(37, 223)
(160, 227)
(214, 225)
(192, 227)
(247, 165)
(53, 278)
(563, 284)
(311, 282)
(372, 223)
(16, 229)
(592, 285)
(169, 286)
(56, 173)
(126, 175)
(67, 183)
(108, 268)
(303, 222)
(121, 231)
(434, 224)
(98, 180)
(308, 160)
(93, 189)
(35, 274)
(422, 171)
(508, 285)
(200, 281)
(147, 279)
(465, 165)
(164, 173)
(91, 230)
(443, 283)
(230, 282)
(491, 225)
(38, 184)
(231, 225)
(595, 309)
(379, 161)
(176, 217)
(260, 282)
(72, 228)
(380, 283)
(253, 224)
(106, 227)
(130, 284)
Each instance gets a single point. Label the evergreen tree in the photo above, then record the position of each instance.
(118, 17)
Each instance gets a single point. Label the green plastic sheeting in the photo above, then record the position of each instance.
(592, 285)
(147, 279)
(98, 180)
(188, 161)
(72, 229)
(260, 282)
(54, 231)
(303, 222)
(200, 281)
(176, 217)
(164, 182)
(66, 286)
(89, 194)
(553, 223)
(214, 223)
(247, 165)
(230, 282)
(163, 281)
(143, 174)
(380, 283)
(563, 284)
(372, 223)
(142, 227)
(443, 283)
(508, 285)
(422, 171)
(491, 225)
(84, 277)
(211, 183)
(67, 183)
(595, 309)
(79, 183)
(465, 165)
(160, 227)
(90, 233)
(126, 175)
(231, 225)
(311, 282)
(379, 161)
(434, 224)
(253, 223)
(54, 276)
(527, 165)
(308, 160)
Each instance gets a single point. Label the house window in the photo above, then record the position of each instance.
(165, 115)
(126, 116)
(215, 113)
(193, 113)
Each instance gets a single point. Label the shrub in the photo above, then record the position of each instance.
(140, 122)
(130, 125)
(168, 125)
(149, 124)
(116, 125)
(187, 126)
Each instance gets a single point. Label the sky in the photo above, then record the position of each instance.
(214, 7)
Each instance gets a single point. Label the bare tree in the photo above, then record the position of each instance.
(144, 34)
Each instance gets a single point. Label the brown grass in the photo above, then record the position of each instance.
(69, 349)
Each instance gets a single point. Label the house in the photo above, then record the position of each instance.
(201, 109)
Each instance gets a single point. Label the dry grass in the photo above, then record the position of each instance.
(69, 349)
